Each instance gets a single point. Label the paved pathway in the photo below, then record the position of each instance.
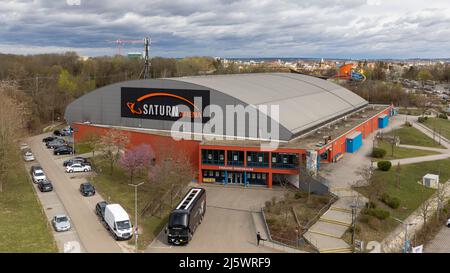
(445, 153)
(440, 243)
(326, 234)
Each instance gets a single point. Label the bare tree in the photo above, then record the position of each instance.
(441, 196)
(375, 186)
(93, 140)
(112, 144)
(397, 175)
(11, 121)
(425, 210)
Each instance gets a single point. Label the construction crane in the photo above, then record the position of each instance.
(120, 44)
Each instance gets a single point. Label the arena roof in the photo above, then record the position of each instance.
(304, 101)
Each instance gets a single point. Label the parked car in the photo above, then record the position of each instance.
(48, 139)
(78, 167)
(61, 222)
(448, 222)
(87, 189)
(45, 186)
(62, 132)
(55, 143)
(63, 150)
(28, 155)
(118, 222)
(77, 159)
(100, 209)
(24, 146)
(34, 168)
(38, 175)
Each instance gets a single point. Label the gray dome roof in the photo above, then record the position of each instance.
(304, 101)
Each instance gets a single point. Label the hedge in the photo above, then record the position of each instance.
(377, 213)
(378, 152)
(392, 202)
(384, 165)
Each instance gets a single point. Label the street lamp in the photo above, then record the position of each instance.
(135, 215)
(406, 225)
(73, 140)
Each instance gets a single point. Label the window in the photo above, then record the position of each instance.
(249, 158)
(221, 157)
(260, 159)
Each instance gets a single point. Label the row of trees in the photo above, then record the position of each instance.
(165, 173)
(437, 72)
(52, 81)
(13, 113)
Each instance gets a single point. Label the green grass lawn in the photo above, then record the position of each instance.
(115, 189)
(82, 148)
(411, 194)
(412, 136)
(400, 152)
(438, 124)
(23, 224)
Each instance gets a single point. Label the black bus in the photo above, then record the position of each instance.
(185, 218)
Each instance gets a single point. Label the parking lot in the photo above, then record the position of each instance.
(66, 198)
(228, 224)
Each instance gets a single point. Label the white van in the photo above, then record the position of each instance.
(118, 222)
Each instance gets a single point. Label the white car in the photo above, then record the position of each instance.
(448, 222)
(61, 222)
(78, 167)
(23, 146)
(28, 156)
(38, 176)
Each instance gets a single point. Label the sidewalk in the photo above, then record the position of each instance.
(326, 234)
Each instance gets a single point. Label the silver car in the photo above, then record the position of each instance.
(61, 222)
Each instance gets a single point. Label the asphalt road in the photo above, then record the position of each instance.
(81, 210)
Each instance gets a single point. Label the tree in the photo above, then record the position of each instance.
(425, 210)
(112, 144)
(397, 175)
(424, 75)
(375, 186)
(441, 197)
(11, 123)
(135, 160)
(93, 140)
(168, 177)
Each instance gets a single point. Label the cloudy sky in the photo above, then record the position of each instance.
(230, 28)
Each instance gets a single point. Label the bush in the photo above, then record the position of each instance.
(408, 124)
(371, 205)
(357, 229)
(364, 219)
(299, 195)
(422, 119)
(384, 165)
(374, 223)
(380, 214)
(392, 202)
(378, 152)
(443, 116)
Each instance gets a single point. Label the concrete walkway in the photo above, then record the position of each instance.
(445, 153)
(326, 234)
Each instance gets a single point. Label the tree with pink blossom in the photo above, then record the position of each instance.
(136, 159)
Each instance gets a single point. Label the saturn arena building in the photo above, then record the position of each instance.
(317, 122)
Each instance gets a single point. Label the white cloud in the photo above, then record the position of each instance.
(345, 28)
